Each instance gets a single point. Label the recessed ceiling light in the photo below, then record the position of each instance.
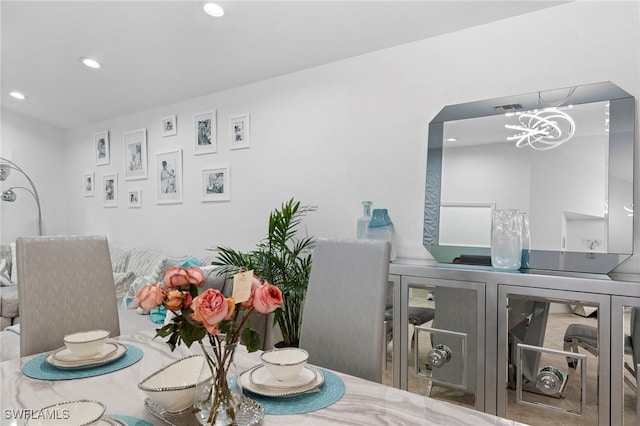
(213, 9)
(91, 63)
(18, 95)
(452, 139)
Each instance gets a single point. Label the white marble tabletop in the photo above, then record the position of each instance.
(364, 402)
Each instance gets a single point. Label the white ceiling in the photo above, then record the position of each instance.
(160, 52)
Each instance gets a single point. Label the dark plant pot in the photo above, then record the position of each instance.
(281, 345)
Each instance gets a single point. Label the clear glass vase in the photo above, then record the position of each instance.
(506, 239)
(218, 397)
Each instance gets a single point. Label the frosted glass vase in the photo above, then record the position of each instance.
(506, 240)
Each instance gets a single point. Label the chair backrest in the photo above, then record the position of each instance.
(343, 315)
(66, 286)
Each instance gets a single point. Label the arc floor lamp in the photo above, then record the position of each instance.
(10, 196)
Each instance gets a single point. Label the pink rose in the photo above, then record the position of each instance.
(211, 307)
(195, 275)
(267, 298)
(255, 283)
(150, 296)
(175, 277)
(174, 300)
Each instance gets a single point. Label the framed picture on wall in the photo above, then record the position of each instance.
(169, 177)
(169, 126)
(216, 184)
(240, 131)
(110, 190)
(134, 198)
(88, 183)
(101, 147)
(135, 154)
(204, 132)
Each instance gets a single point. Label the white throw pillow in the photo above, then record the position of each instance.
(14, 268)
(5, 278)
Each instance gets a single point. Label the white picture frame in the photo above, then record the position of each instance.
(169, 126)
(135, 154)
(102, 148)
(239, 131)
(134, 198)
(110, 190)
(169, 177)
(88, 184)
(216, 183)
(204, 132)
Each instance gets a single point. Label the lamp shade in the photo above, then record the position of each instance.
(9, 195)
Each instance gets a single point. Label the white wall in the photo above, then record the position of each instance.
(338, 134)
(39, 150)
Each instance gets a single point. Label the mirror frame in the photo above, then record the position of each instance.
(621, 150)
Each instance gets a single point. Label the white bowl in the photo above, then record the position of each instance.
(72, 413)
(285, 364)
(173, 387)
(86, 343)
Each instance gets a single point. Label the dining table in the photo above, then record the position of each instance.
(361, 402)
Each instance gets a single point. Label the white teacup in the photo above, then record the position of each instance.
(86, 343)
(285, 364)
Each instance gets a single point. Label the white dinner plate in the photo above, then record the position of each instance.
(65, 355)
(86, 362)
(260, 376)
(246, 383)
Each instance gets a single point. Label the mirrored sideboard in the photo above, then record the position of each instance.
(526, 346)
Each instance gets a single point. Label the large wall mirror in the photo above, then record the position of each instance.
(563, 156)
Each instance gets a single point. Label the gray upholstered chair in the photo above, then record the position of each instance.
(586, 337)
(342, 320)
(66, 286)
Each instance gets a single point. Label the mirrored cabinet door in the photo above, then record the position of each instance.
(442, 323)
(554, 346)
(625, 359)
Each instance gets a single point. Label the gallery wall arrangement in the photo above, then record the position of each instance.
(167, 167)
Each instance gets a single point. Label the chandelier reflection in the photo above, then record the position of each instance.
(542, 130)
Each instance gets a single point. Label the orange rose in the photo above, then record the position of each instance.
(210, 308)
(175, 277)
(174, 300)
(195, 275)
(150, 296)
(267, 298)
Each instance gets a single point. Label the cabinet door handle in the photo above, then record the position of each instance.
(441, 354)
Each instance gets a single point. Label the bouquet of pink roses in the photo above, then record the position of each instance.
(210, 313)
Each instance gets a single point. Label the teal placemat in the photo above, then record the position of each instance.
(38, 368)
(330, 392)
(130, 421)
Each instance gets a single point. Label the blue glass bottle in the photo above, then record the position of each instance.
(381, 228)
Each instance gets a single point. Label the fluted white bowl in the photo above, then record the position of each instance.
(71, 413)
(286, 363)
(86, 343)
(173, 387)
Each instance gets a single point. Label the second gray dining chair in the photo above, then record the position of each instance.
(342, 320)
(66, 286)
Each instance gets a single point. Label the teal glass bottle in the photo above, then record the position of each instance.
(381, 228)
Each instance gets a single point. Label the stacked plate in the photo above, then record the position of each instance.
(259, 381)
(63, 358)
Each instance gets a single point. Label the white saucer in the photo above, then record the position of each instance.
(260, 376)
(246, 383)
(86, 362)
(65, 355)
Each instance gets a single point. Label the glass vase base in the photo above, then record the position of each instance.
(249, 413)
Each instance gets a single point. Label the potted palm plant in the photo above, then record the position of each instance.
(283, 258)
